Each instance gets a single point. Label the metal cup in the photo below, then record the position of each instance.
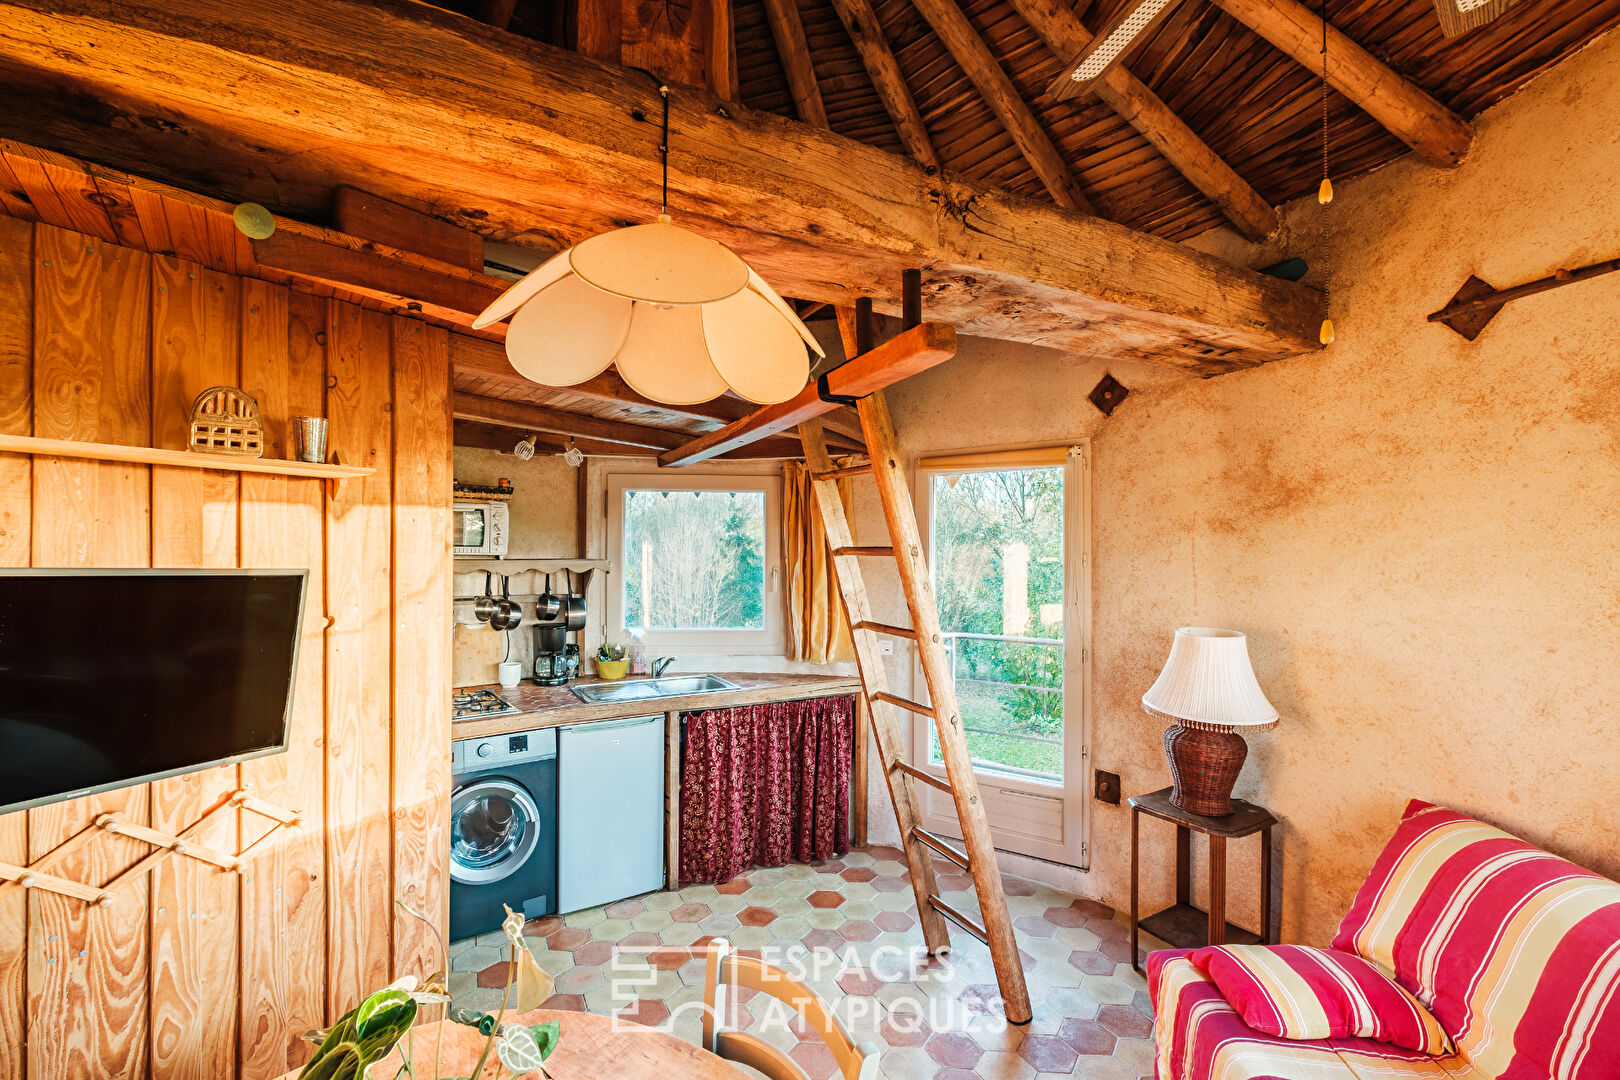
(309, 438)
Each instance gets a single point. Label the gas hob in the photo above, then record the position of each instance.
(479, 703)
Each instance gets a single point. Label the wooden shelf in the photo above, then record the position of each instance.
(1186, 927)
(185, 459)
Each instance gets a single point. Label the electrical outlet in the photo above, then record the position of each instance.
(1106, 787)
(885, 647)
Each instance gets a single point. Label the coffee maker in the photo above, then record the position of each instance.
(556, 659)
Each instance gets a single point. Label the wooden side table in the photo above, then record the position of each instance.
(1183, 925)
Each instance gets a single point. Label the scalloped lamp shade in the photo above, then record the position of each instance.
(681, 317)
(1208, 688)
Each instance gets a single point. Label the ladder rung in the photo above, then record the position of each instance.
(863, 551)
(939, 844)
(848, 470)
(926, 777)
(903, 703)
(885, 628)
(959, 919)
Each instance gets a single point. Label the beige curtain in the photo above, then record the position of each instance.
(815, 611)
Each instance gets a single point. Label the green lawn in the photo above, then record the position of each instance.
(999, 727)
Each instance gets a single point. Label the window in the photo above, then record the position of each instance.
(1007, 536)
(695, 562)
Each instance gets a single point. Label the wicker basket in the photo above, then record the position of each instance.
(225, 420)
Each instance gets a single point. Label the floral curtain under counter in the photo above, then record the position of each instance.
(765, 785)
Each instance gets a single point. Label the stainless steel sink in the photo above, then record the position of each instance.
(650, 689)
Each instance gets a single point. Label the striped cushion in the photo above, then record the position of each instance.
(1516, 952)
(1297, 992)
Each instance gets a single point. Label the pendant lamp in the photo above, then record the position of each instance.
(681, 316)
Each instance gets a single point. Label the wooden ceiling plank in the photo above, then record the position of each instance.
(866, 32)
(788, 33)
(497, 13)
(525, 417)
(911, 351)
(1140, 107)
(360, 213)
(999, 93)
(1438, 135)
(57, 191)
(375, 92)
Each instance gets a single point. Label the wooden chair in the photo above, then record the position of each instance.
(726, 970)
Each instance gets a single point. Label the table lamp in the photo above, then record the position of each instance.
(1208, 688)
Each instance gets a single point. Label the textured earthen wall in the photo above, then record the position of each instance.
(1421, 535)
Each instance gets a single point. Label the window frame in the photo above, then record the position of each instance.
(1001, 789)
(768, 641)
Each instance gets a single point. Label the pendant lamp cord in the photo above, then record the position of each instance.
(1327, 232)
(663, 148)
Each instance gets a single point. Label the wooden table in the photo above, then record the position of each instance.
(1183, 925)
(592, 1048)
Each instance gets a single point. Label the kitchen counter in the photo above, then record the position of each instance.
(554, 706)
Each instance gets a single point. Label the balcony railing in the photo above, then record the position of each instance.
(1010, 691)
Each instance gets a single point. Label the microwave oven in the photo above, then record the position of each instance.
(480, 528)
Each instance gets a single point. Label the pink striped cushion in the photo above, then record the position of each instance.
(1297, 992)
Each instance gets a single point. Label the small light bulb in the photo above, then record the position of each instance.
(1324, 194)
(1326, 336)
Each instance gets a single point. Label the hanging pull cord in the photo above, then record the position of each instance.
(663, 150)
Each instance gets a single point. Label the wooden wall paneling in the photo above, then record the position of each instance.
(193, 971)
(283, 951)
(16, 418)
(422, 592)
(358, 675)
(87, 990)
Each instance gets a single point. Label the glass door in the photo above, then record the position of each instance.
(1006, 536)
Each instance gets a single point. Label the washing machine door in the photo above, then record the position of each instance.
(494, 827)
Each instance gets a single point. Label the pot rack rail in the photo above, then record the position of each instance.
(166, 846)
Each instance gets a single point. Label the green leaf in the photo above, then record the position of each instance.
(547, 1036)
(518, 1050)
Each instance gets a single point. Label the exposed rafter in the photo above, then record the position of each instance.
(1061, 29)
(1439, 136)
(860, 21)
(999, 93)
(788, 33)
(528, 417)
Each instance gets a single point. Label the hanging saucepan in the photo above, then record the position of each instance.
(575, 605)
(484, 606)
(507, 614)
(549, 605)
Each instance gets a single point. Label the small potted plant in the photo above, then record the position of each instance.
(371, 1031)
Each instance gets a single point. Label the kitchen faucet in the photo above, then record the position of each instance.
(660, 665)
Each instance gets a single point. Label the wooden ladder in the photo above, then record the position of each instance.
(977, 855)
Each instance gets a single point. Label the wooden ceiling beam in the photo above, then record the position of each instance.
(1438, 135)
(864, 30)
(999, 93)
(523, 416)
(502, 439)
(1058, 25)
(788, 33)
(901, 356)
(279, 101)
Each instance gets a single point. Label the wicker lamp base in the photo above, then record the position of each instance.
(1204, 766)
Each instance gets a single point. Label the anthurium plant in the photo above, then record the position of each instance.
(369, 1032)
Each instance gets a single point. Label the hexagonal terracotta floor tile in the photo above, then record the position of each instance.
(859, 930)
(1013, 886)
(953, 1049)
(734, 887)
(815, 1059)
(564, 1003)
(494, 976)
(1048, 1053)
(1064, 916)
(645, 1011)
(593, 954)
(822, 898)
(1034, 926)
(669, 957)
(981, 999)
(1087, 1036)
(1108, 929)
(1091, 963)
(570, 938)
(756, 916)
(860, 982)
(891, 884)
(857, 874)
(904, 1029)
(954, 883)
(624, 909)
(1124, 1021)
(543, 927)
(823, 939)
(896, 922)
(882, 853)
(637, 941)
(1116, 949)
(1093, 910)
(690, 913)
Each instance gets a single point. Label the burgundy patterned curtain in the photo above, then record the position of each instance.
(764, 785)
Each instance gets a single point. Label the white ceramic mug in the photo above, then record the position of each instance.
(511, 673)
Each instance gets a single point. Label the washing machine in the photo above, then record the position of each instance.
(503, 829)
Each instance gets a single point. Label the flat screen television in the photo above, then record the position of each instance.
(115, 677)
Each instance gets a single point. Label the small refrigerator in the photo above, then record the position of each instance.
(610, 811)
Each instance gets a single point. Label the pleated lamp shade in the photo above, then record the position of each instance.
(1209, 683)
(681, 317)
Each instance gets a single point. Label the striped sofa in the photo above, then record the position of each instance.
(1516, 952)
